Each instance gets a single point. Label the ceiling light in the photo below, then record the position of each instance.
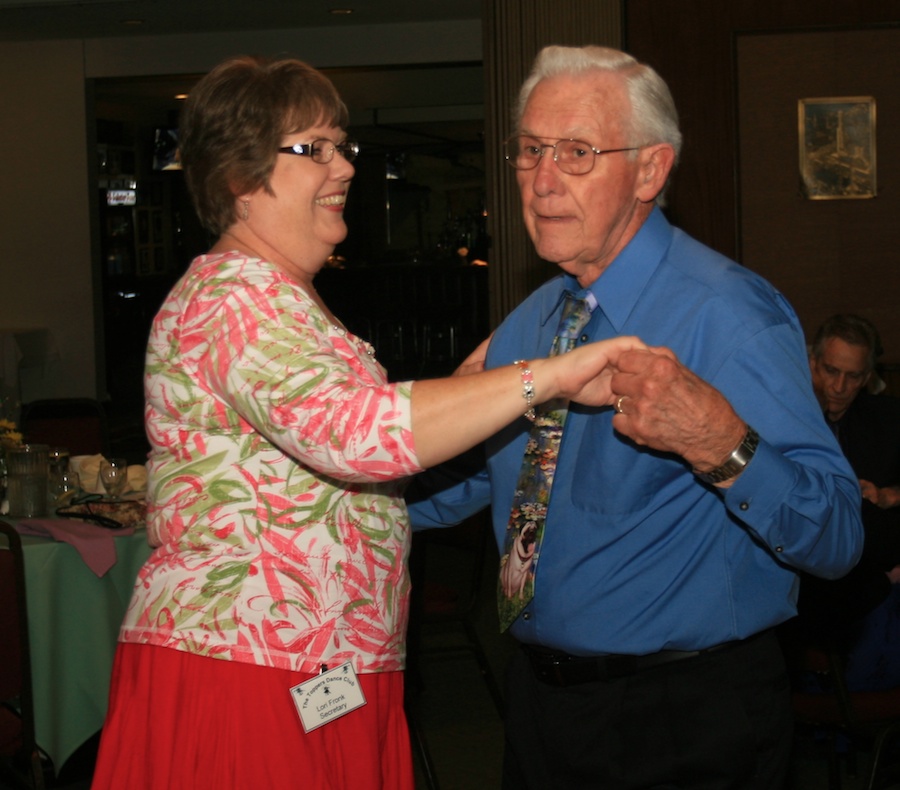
(340, 11)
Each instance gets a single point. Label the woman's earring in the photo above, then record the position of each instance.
(245, 214)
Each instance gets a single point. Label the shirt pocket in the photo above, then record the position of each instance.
(630, 481)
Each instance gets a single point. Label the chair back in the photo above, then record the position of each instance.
(820, 699)
(78, 424)
(17, 743)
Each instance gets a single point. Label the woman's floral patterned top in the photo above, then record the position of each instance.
(278, 451)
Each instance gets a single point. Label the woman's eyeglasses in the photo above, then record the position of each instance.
(322, 151)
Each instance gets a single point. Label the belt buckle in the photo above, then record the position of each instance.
(619, 666)
(548, 667)
(552, 670)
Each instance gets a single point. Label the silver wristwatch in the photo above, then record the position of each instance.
(736, 461)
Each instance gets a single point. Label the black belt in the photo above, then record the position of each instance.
(561, 669)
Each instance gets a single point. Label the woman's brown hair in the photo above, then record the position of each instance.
(234, 121)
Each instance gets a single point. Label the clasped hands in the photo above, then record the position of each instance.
(885, 497)
(660, 403)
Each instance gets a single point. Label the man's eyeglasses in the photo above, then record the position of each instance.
(575, 157)
(322, 151)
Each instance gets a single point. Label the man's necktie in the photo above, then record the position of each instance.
(525, 529)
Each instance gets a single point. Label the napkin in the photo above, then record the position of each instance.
(87, 467)
(137, 479)
(96, 545)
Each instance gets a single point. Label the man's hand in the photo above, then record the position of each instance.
(663, 405)
(474, 363)
(885, 498)
(584, 374)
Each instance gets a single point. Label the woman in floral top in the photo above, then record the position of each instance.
(278, 453)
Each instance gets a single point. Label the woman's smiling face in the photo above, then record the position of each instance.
(300, 218)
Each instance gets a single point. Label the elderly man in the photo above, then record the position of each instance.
(668, 546)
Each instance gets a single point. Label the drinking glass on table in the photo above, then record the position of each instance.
(113, 476)
(27, 480)
(62, 484)
(58, 459)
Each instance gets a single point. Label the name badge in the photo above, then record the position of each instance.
(328, 696)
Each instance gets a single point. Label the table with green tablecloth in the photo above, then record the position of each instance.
(73, 624)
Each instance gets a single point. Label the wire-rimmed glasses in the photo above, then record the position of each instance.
(322, 151)
(575, 157)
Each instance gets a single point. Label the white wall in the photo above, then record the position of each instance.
(45, 250)
(46, 262)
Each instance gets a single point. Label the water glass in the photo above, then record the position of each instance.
(58, 459)
(62, 488)
(27, 480)
(4, 505)
(114, 476)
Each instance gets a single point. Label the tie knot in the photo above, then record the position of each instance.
(576, 313)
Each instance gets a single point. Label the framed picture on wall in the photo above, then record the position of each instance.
(837, 147)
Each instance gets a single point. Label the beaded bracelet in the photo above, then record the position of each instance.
(527, 387)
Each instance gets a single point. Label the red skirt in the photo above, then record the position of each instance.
(177, 720)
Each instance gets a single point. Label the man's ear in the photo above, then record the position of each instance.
(656, 162)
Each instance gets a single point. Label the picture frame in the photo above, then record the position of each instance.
(837, 147)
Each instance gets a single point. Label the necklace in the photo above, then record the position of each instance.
(361, 344)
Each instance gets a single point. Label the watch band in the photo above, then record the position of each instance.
(736, 461)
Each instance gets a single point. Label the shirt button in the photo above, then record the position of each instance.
(745, 506)
(584, 338)
(779, 549)
(526, 615)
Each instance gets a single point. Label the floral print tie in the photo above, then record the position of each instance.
(525, 529)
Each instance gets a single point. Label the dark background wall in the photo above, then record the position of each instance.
(737, 70)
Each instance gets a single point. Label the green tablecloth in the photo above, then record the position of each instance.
(73, 623)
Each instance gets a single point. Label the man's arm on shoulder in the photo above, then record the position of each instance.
(449, 493)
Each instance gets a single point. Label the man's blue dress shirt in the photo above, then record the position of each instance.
(638, 554)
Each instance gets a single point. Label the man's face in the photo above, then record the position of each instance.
(839, 374)
(583, 221)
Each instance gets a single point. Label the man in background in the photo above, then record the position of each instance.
(860, 613)
(842, 361)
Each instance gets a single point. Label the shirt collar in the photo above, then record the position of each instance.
(618, 289)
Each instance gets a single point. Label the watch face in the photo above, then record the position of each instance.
(738, 460)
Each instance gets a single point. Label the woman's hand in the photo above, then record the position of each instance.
(584, 374)
(453, 414)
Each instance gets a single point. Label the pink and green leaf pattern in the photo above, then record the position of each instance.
(279, 452)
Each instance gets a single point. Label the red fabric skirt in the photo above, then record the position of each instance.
(177, 720)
